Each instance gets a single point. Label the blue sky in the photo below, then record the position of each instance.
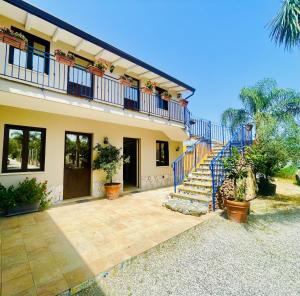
(215, 46)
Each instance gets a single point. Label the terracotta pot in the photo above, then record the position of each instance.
(166, 98)
(147, 91)
(64, 60)
(13, 41)
(112, 190)
(95, 71)
(237, 210)
(183, 102)
(125, 82)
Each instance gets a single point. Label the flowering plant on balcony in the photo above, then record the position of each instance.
(12, 38)
(125, 80)
(149, 87)
(64, 58)
(99, 68)
(166, 96)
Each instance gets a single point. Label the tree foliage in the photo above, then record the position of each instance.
(285, 27)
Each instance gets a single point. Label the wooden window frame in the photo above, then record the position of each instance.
(159, 162)
(25, 142)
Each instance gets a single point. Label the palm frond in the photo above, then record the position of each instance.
(285, 27)
(233, 118)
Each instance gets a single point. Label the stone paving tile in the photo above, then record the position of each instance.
(46, 253)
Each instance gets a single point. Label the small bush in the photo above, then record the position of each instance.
(288, 172)
(28, 191)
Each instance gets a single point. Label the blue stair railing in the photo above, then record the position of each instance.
(241, 138)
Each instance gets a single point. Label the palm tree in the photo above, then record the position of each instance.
(285, 27)
(263, 99)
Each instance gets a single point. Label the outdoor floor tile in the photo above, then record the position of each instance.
(48, 252)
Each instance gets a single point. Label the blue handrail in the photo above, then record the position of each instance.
(241, 138)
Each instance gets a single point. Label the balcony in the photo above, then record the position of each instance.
(40, 69)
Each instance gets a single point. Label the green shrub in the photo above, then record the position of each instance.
(288, 172)
(28, 191)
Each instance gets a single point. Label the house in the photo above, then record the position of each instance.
(55, 108)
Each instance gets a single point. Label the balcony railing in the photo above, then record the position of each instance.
(41, 68)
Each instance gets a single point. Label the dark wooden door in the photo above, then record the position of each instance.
(130, 170)
(77, 169)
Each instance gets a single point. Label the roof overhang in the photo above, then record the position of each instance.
(61, 30)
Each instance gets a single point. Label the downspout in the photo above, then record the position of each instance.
(185, 113)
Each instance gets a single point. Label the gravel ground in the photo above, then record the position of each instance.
(220, 257)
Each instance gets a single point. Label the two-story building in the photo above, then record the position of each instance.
(54, 109)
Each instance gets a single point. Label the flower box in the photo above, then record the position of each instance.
(146, 90)
(13, 41)
(166, 98)
(23, 209)
(64, 60)
(125, 82)
(183, 102)
(95, 71)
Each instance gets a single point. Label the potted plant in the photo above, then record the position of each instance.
(98, 68)
(166, 96)
(109, 159)
(235, 167)
(29, 196)
(125, 80)
(249, 127)
(183, 102)
(64, 58)
(149, 87)
(12, 38)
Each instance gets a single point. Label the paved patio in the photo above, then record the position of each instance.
(49, 252)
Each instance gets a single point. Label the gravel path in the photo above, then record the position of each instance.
(220, 257)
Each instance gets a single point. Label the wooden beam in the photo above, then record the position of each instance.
(99, 54)
(142, 74)
(131, 68)
(117, 61)
(55, 36)
(28, 22)
(79, 45)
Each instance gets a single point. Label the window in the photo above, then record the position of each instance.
(35, 58)
(23, 149)
(132, 95)
(162, 153)
(162, 104)
(80, 82)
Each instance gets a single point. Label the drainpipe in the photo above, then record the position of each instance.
(185, 119)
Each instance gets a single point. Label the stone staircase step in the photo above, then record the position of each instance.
(204, 198)
(186, 207)
(192, 190)
(198, 184)
(200, 177)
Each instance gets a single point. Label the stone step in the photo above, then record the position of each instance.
(204, 198)
(190, 189)
(201, 173)
(206, 178)
(186, 207)
(204, 184)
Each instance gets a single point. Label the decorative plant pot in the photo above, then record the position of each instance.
(64, 60)
(125, 82)
(148, 91)
(266, 189)
(95, 71)
(166, 98)
(23, 209)
(183, 102)
(13, 41)
(237, 210)
(112, 190)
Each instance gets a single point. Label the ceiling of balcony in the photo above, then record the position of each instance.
(57, 33)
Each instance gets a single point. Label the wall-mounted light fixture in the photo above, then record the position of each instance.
(177, 148)
(105, 140)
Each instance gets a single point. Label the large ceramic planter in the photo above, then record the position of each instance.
(125, 82)
(112, 190)
(183, 102)
(13, 41)
(23, 209)
(166, 98)
(64, 60)
(95, 71)
(237, 210)
(266, 189)
(147, 90)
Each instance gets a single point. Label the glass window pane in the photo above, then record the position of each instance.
(71, 154)
(20, 58)
(15, 146)
(34, 150)
(38, 61)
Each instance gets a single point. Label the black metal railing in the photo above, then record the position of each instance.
(40, 68)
